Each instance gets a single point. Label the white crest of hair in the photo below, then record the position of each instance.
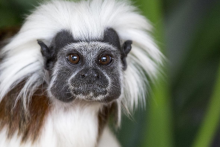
(85, 20)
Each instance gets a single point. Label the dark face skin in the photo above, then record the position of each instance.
(89, 70)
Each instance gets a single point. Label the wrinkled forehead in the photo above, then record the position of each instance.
(94, 48)
(64, 40)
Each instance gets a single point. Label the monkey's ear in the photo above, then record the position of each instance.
(125, 50)
(48, 55)
(44, 49)
(127, 47)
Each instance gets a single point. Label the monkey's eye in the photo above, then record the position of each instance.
(105, 60)
(73, 58)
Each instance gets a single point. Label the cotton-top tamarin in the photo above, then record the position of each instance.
(71, 66)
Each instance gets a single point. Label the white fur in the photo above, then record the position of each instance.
(108, 139)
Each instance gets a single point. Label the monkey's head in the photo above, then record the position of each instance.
(83, 52)
(85, 69)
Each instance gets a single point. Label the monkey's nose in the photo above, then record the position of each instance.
(92, 73)
(89, 79)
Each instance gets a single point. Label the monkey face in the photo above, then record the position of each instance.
(89, 70)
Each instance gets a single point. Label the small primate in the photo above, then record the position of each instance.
(71, 66)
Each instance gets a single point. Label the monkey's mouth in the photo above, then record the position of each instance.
(86, 92)
(89, 91)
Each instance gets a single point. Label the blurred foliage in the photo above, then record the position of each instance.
(193, 43)
(12, 12)
(183, 110)
(211, 120)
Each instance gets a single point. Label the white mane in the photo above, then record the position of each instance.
(85, 19)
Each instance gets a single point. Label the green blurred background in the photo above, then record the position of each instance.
(183, 109)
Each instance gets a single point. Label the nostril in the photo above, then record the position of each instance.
(96, 76)
(83, 75)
